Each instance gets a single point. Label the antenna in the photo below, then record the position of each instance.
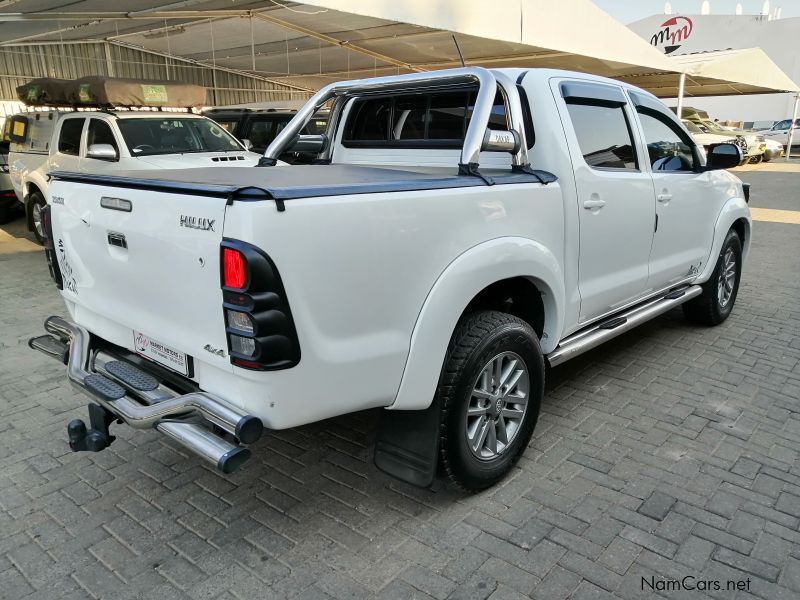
(460, 56)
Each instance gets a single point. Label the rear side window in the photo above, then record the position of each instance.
(604, 135)
(438, 119)
(69, 140)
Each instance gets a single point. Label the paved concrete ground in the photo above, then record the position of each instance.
(670, 452)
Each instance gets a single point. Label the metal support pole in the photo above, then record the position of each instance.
(792, 128)
(681, 83)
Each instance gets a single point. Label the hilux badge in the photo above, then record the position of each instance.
(197, 223)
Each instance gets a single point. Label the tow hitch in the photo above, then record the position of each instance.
(98, 437)
(123, 392)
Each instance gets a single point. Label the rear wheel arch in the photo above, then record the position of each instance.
(482, 278)
(517, 296)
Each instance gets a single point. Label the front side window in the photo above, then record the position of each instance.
(149, 136)
(99, 132)
(668, 148)
(438, 119)
(603, 135)
(69, 139)
(781, 125)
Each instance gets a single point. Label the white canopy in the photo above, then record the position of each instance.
(719, 73)
(311, 43)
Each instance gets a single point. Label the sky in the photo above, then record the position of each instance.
(628, 11)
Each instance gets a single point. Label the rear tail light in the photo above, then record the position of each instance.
(233, 269)
(241, 321)
(243, 345)
(261, 332)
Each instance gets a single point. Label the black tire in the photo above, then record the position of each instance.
(477, 340)
(707, 309)
(35, 199)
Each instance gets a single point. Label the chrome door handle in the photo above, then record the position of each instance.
(664, 197)
(590, 204)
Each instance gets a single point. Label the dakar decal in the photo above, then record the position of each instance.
(674, 31)
(67, 274)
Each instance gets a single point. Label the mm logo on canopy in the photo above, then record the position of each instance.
(673, 33)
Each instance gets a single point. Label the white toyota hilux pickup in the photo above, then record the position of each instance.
(460, 230)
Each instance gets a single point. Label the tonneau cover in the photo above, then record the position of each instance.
(300, 181)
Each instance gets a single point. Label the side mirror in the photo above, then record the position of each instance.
(496, 140)
(309, 143)
(248, 145)
(723, 156)
(102, 152)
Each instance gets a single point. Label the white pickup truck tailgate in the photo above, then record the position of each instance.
(154, 269)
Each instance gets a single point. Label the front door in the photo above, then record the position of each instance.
(614, 196)
(685, 200)
(99, 132)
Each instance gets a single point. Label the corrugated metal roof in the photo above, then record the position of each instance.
(18, 64)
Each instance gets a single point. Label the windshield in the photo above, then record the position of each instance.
(714, 128)
(171, 135)
(692, 127)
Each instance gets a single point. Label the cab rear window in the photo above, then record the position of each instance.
(434, 119)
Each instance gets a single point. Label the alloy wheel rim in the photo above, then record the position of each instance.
(37, 218)
(727, 278)
(497, 405)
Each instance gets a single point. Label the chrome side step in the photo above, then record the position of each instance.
(596, 334)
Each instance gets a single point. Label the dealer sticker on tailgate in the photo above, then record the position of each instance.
(161, 353)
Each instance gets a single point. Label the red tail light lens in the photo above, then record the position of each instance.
(233, 269)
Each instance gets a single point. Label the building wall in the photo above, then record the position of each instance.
(19, 64)
(778, 38)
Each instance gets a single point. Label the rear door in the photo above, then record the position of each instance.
(615, 197)
(142, 261)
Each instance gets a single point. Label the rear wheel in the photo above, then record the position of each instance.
(36, 203)
(491, 388)
(715, 304)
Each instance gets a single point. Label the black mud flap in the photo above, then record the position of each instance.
(408, 444)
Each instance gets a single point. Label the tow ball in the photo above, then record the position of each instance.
(97, 437)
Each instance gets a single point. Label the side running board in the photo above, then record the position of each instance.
(596, 334)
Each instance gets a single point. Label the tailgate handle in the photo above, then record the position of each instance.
(117, 239)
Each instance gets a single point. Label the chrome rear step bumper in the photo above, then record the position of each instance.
(157, 406)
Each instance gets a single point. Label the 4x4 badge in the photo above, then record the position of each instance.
(197, 223)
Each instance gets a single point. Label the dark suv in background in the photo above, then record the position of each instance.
(259, 126)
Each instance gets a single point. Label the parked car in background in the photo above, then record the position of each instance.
(773, 149)
(105, 142)
(431, 262)
(704, 138)
(256, 128)
(780, 132)
(751, 143)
